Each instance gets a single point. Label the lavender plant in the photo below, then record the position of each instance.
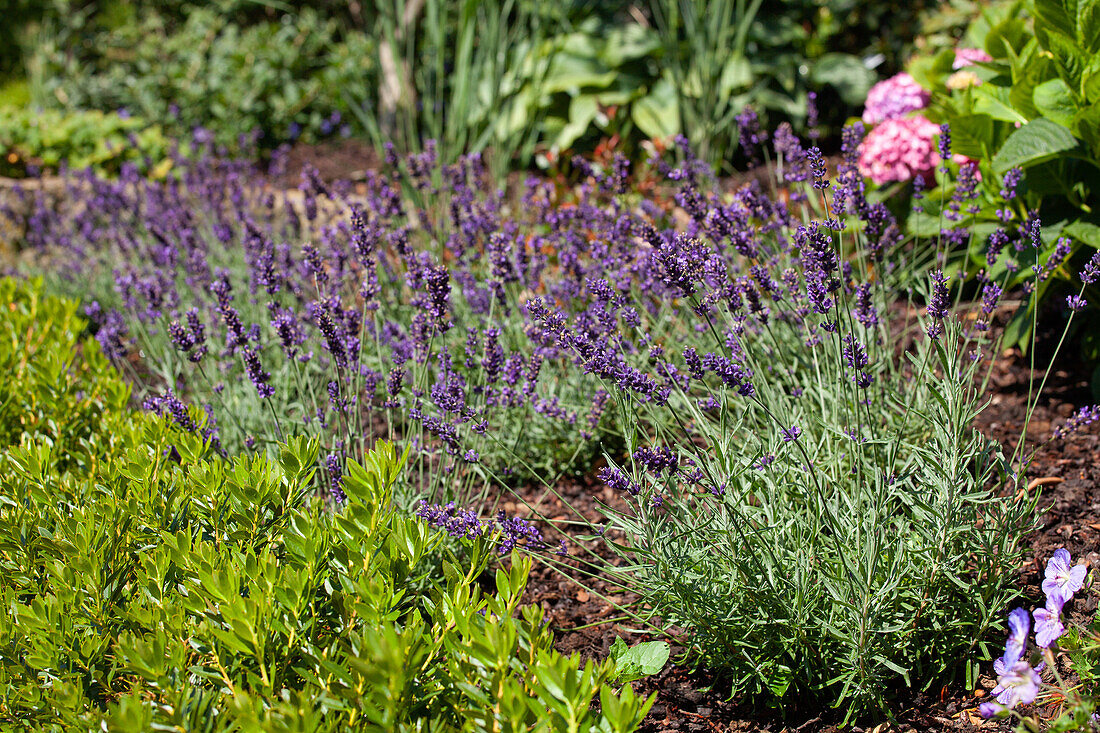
(803, 488)
(327, 313)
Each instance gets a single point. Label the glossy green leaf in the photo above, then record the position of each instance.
(1039, 140)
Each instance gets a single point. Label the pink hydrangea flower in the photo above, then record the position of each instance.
(969, 56)
(894, 98)
(900, 150)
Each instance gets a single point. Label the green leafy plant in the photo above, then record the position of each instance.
(283, 79)
(58, 390)
(1031, 113)
(37, 140)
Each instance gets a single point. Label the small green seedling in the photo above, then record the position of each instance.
(638, 661)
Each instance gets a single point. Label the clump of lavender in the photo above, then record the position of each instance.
(736, 345)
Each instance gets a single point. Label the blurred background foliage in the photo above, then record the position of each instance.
(527, 80)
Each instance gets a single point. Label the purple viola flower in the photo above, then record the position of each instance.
(1048, 623)
(1018, 684)
(1019, 625)
(1062, 580)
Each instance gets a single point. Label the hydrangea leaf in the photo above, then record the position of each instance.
(1037, 141)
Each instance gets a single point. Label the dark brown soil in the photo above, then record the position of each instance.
(1066, 473)
(345, 159)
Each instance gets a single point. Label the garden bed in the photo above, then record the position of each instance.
(697, 701)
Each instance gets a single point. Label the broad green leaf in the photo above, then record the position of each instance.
(1069, 60)
(1088, 26)
(1087, 124)
(625, 43)
(1039, 140)
(1054, 100)
(1084, 231)
(582, 111)
(993, 100)
(971, 135)
(640, 660)
(736, 74)
(569, 73)
(1056, 16)
(657, 114)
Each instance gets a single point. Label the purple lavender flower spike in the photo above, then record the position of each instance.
(336, 477)
(817, 168)
(1011, 180)
(456, 522)
(1076, 303)
(1062, 579)
(1090, 273)
(937, 305)
(1082, 418)
(260, 378)
(791, 434)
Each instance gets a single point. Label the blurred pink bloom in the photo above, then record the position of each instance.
(894, 98)
(900, 150)
(969, 56)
